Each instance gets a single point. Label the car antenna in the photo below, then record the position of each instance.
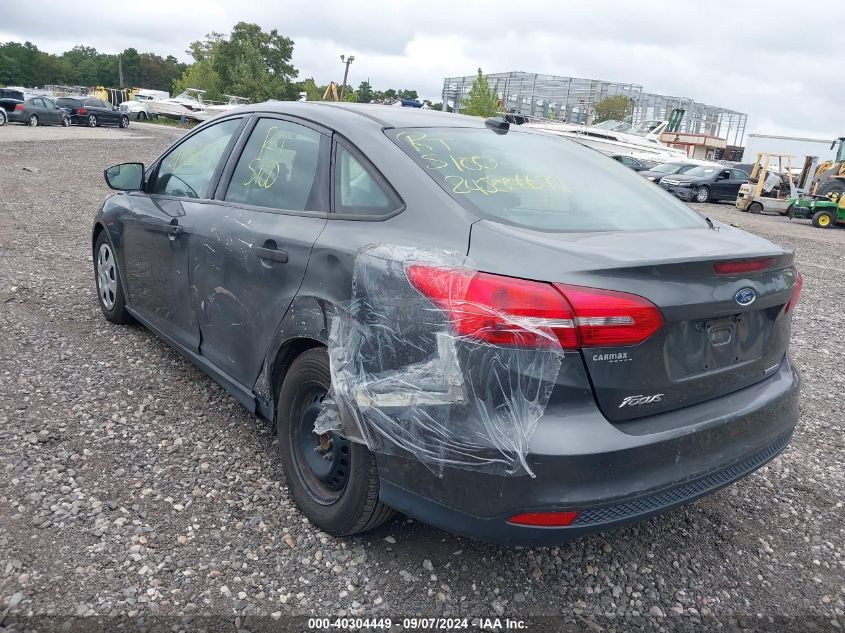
(710, 223)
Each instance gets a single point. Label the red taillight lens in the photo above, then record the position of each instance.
(81, 111)
(475, 303)
(545, 519)
(796, 293)
(510, 311)
(18, 107)
(742, 266)
(606, 318)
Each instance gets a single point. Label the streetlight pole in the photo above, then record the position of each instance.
(347, 61)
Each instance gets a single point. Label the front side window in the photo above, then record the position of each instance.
(278, 168)
(357, 190)
(187, 171)
(541, 182)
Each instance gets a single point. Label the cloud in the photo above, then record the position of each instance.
(744, 56)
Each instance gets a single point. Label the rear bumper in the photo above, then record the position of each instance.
(610, 473)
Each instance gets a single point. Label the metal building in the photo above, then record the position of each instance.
(573, 99)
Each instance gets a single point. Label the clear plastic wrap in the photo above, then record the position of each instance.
(407, 381)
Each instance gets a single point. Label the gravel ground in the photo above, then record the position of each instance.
(131, 484)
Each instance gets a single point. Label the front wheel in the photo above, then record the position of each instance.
(107, 279)
(92, 120)
(334, 481)
(33, 121)
(702, 194)
(66, 121)
(142, 116)
(124, 121)
(823, 219)
(755, 207)
(2, 117)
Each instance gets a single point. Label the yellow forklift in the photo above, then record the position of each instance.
(771, 185)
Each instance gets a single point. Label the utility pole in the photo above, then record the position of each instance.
(120, 70)
(347, 61)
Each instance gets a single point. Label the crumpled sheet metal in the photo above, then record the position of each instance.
(403, 383)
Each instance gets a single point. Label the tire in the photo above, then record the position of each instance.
(823, 220)
(107, 280)
(338, 495)
(702, 194)
(92, 120)
(124, 122)
(2, 117)
(142, 116)
(755, 207)
(33, 121)
(66, 121)
(787, 212)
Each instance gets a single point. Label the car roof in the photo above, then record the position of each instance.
(339, 115)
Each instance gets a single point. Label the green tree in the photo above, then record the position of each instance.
(351, 96)
(612, 107)
(365, 92)
(310, 87)
(482, 101)
(200, 75)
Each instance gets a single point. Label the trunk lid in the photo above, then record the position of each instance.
(710, 343)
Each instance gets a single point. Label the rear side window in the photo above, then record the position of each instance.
(357, 191)
(278, 167)
(540, 181)
(187, 171)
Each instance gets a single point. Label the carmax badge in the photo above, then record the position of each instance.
(633, 401)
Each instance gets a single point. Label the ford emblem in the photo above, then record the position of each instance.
(745, 296)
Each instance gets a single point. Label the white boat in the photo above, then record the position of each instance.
(618, 138)
(234, 101)
(188, 104)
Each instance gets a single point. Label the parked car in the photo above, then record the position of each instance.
(656, 173)
(8, 100)
(632, 163)
(93, 112)
(39, 111)
(705, 183)
(529, 342)
(137, 110)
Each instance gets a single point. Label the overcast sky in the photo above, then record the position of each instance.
(775, 60)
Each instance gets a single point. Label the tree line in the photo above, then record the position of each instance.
(248, 62)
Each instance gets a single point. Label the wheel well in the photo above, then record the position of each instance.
(284, 359)
(98, 228)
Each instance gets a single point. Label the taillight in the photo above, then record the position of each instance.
(607, 318)
(796, 293)
(81, 111)
(545, 519)
(515, 312)
(18, 107)
(742, 266)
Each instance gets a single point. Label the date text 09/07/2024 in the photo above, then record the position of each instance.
(419, 624)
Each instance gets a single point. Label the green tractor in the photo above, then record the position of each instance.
(825, 201)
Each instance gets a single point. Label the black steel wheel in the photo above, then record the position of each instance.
(333, 481)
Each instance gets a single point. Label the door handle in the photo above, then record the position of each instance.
(270, 253)
(162, 227)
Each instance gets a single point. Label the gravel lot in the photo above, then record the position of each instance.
(131, 484)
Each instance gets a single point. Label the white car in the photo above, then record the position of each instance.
(137, 110)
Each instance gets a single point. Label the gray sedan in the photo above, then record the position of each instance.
(39, 111)
(494, 330)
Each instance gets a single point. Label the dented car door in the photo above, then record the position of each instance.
(249, 249)
(158, 225)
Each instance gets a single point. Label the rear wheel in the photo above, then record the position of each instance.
(92, 120)
(33, 121)
(755, 207)
(142, 116)
(2, 117)
(702, 194)
(823, 219)
(334, 481)
(66, 121)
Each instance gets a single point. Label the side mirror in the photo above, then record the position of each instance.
(125, 177)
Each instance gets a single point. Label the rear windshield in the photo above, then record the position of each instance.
(541, 182)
